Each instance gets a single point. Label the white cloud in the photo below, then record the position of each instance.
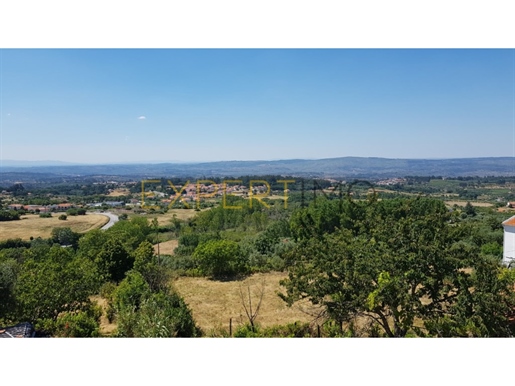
(142, 117)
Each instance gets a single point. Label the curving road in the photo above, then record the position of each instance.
(113, 219)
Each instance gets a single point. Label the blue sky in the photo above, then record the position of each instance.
(110, 106)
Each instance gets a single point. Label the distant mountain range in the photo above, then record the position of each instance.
(343, 167)
(15, 163)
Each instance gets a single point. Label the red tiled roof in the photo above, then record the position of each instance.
(510, 222)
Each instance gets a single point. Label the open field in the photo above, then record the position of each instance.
(167, 247)
(505, 209)
(32, 225)
(213, 303)
(164, 219)
(119, 192)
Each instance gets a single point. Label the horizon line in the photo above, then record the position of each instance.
(144, 162)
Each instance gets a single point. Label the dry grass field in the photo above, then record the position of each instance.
(32, 225)
(164, 219)
(214, 302)
(167, 247)
(119, 192)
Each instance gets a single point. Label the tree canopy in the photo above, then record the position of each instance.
(399, 264)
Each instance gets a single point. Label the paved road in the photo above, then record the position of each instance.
(112, 219)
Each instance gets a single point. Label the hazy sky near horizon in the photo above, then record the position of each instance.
(110, 106)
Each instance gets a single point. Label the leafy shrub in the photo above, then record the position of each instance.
(276, 263)
(219, 258)
(75, 324)
(183, 250)
(45, 215)
(257, 260)
(178, 262)
(62, 217)
(107, 290)
(162, 314)
(290, 330)
(14, 243)
(189, 240)
(9, 215)
(72, 212)
(64, 236)
(493, 249)
(247, 331)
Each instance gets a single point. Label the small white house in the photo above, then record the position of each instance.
(509, 241)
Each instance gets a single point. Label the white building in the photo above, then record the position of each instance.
(509, 241)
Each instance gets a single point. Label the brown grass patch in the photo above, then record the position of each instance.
(213, 303)
(106, 328)
(167, 247)
(119, 192)
(35, 226)
(164, 219)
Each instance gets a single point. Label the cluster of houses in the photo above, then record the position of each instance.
(61, 207)
(191, 192)
(112, 204)
(42, 208)
(391, 181)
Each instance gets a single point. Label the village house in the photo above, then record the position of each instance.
(114, 204)
(508, 257)
(62, 207)
(37, 208)
(21, 330)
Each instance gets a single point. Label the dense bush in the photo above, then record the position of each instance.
(219, 258)
(9, 215)
(140, 312)
(14, 243)
(72, 212)
(290, 330)
(81, 324)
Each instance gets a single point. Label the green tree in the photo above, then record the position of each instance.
(160, 315)
(65, 236)
(8, 272)
(146, 263)
(130, 292)
(394, 262)
(58, 282)
(141, 312)
(469, 209)
(92, 243)
(131, 233)
(9, 215)
(76, 324)
(219, 258)
(114, 260)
